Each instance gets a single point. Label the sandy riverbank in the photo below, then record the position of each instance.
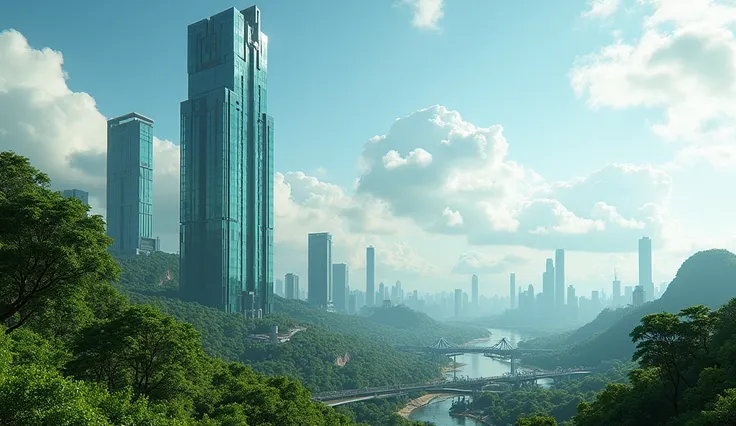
(452, 367)
(421, 402)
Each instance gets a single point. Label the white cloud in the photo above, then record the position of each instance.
(600, 9)
(472, 187)
(683, 63)
(474, 262)
(427, 13)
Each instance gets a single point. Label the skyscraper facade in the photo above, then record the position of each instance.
(474, 290)
(130, 184)
(512, 290)
(548, 284)
(370, 276)
(226, 234)
(645, 268)
(616, 294)
(279, 287)
(319, 270)
(292, 286)
(80, 195)
(340, 285)
(458, 299)
(560, 279)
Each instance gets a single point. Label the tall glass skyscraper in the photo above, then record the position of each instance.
(130, 184)
(226, 233)
(319, 270)
(370, 276)
(80, 195)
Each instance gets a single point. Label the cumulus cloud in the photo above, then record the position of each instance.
(427, 13)
(683, 62)
(599, 9)
(478, 263)
(471, 187)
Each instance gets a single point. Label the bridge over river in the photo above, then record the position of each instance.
(502, 350)
(463, 386)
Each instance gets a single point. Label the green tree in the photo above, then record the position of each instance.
(143, 349)
(50, 248)
(537, 420)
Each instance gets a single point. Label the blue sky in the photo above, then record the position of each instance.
(607, 119)
(342, 71)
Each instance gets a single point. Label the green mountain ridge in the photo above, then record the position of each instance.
(705, 278)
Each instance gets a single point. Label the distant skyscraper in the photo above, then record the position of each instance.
(628, 294)
(559, 278)
(80, 195)
(616, 289)
(639, 296)
(370, 276)
(572, 300)
(319, 270)
(548, 283)
(130, 184)
(292, 286)
(280, 287)
(474, 290)
(458, 302)
(227, 174)
(645, 268)
(340, 284)
(512, 290)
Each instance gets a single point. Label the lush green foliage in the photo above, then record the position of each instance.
(687, 373)
(74, 352)
(558, 402)
(310, 355)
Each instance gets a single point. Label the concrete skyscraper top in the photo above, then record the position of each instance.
(227, 173)
(130, 184)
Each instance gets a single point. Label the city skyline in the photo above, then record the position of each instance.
(614, 204)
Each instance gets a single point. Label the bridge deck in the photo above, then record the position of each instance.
(355, 394)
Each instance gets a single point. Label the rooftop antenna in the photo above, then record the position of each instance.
(615, 274)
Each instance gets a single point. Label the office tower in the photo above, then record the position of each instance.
(639, 296)
(512, 290)
(381, 293)
(645, 268)
(319, 270)
(279, 288)
(548, 283)
(352, 303)
(370, 276)
(616, 289)
(595, 297)
(458, 302)
(572, 300)
(80, 195)
(474, 290)
(628, 293)
(292, 286)
(340, 284)
(466, 300)
(130, 184)
(559, 278)
(226, 233)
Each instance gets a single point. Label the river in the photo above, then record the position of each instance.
(475, 365)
